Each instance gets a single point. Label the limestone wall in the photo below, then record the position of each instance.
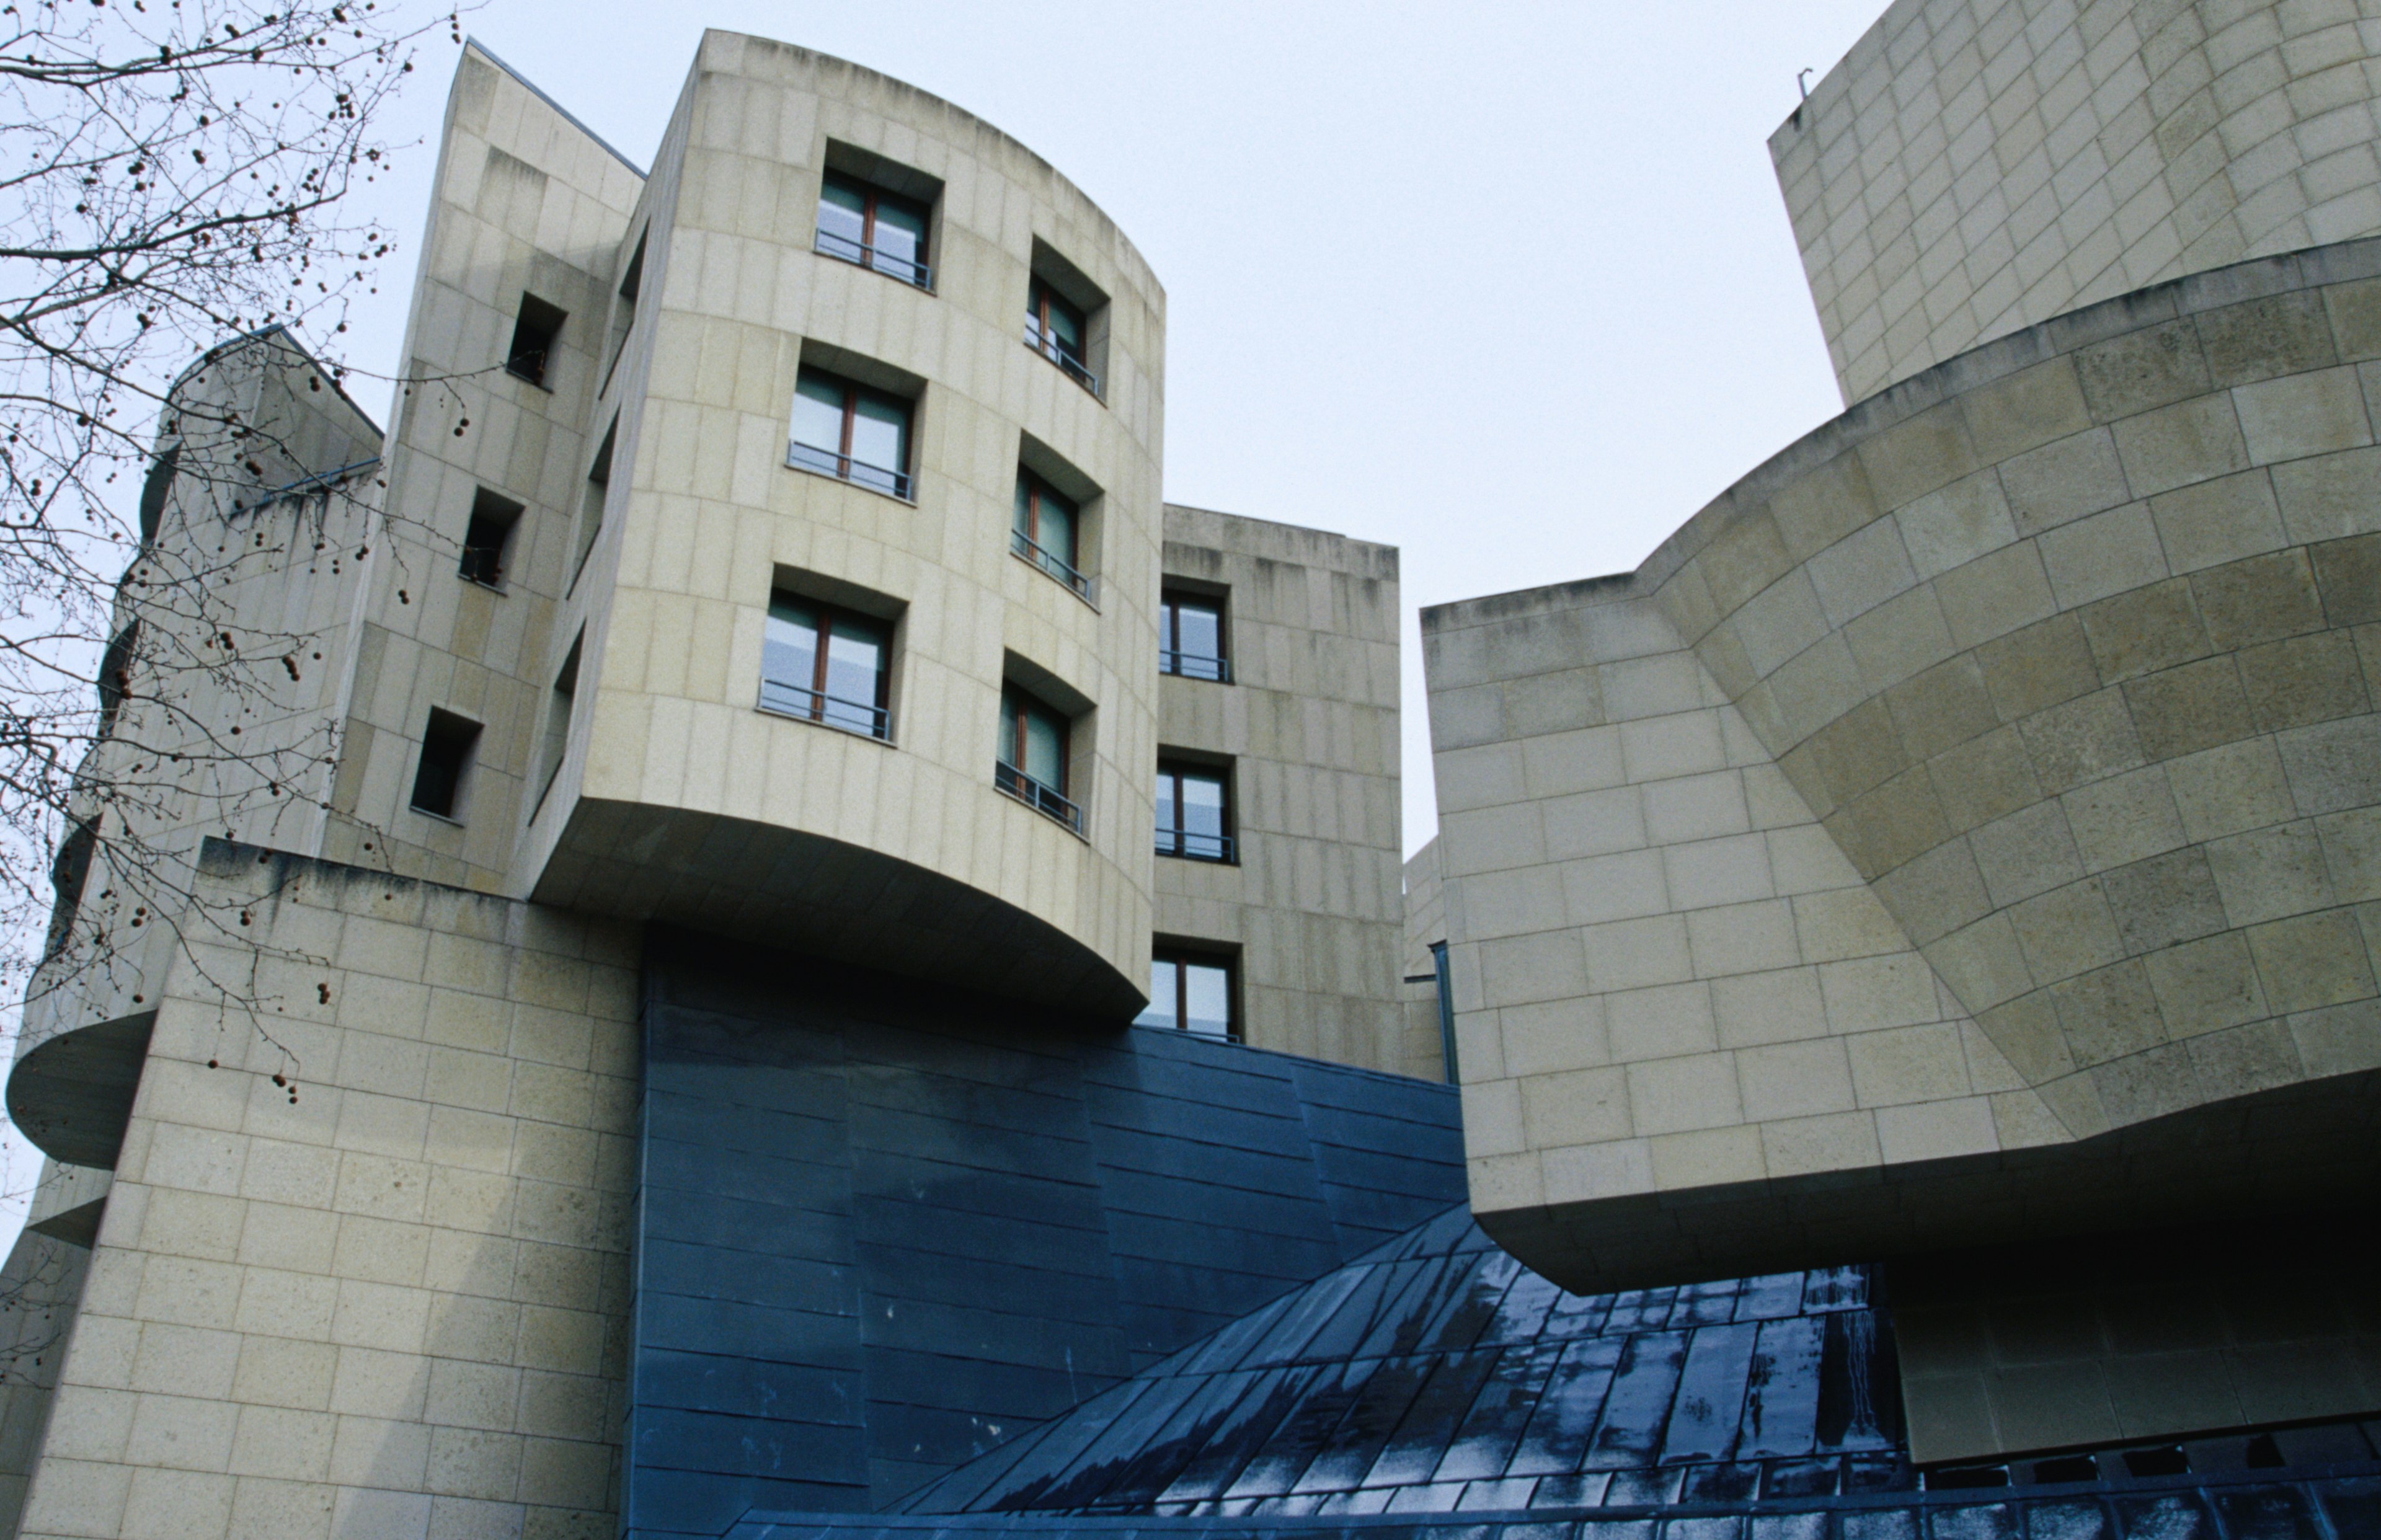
(1976, 166)
(396, 1303)
(1307, 731)
(2034, 694)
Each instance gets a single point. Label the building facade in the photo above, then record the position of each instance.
(769, 548)
(787, 949)
(1949, 848)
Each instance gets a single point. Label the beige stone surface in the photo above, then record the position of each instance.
(1424, 1051)
(396, 1303)
(1307, 733)
(2046, 679)
(1973, 168)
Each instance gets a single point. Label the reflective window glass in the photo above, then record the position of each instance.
(1191, 814)
(855, 663)
(880, 439)
(846, 686)
(1191, 637)
(1206, 999)
(1162, 985)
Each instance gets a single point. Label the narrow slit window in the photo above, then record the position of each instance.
(445, 764)
(1044, 530)
(623, 314)
(558, 707)
(861, 223)
(116, 676)
(154, 491)
(1193, 813)
(1034, 747)
(823, 663)
(1191, 637)
(591, 511)
(533, 338)
(486, 538)
(845, 430)
(1191, 992)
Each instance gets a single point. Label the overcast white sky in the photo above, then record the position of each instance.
(1508, 287)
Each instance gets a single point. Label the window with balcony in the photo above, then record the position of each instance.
(823, 663)
(1190, 992)
(846, 429)
(533, 337)
(486, 538)
(859, 222)
(1035, 749)
(1044, 528)
(1194, 812)
(1055, 328)
(445, 765)
(1191, 637)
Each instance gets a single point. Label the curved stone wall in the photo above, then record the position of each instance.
(2070, 644)
(679, 798)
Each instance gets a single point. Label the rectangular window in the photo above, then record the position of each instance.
(447, 745)
(848, 431)
(1191, 992)
(826, 665)
(864, 224)
(556, 741)
(1193, 814)
(1044, 530)
(1032, 763)
(534, 336)
(1191, 637)
(1056, 329)
(491, 530)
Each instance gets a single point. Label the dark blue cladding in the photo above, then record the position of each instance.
(881, 1230)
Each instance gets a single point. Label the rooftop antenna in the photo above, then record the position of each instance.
(1805, 86)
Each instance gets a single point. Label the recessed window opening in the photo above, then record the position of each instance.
(486, 538)
(1056, 329)
(1043, 531)
(846, 429)
(154, 490)
(533, 338)
(1190, 992)
(116, 677)
(438, 777)
(558, 707)
(1193, 811)
(1035, 749)
(70, 874)
(823, 664)
(591, 508)
(623, 314)
(1191, 637)
(858, 221)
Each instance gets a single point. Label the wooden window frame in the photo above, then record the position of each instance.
(851, 389)
(827, 615)
(1172, 771)
(1179, 959)
(1169, 634)
(869, 195)
(1015, 748)
(1035, 490)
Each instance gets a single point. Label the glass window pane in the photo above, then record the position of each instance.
(880, 441)
(1057, 527)
(839, 216)
(1165, 629)
(1065, 327)
(1023, 520)
(818, 423)
(900, 236)
(1200, 630)
(790, 656)
(1046, 748)
(1203, 815)
(855, 661)
(1165, 790)
(1161, 995)
(1009, 711)
(1207, 989)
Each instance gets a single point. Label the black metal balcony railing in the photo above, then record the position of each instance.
(1194, 665)
(831, 462)
(811, 706)
(1026, 550)
(1050, 348)
(1044, 800)
(1193, 845)
(844, 249)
